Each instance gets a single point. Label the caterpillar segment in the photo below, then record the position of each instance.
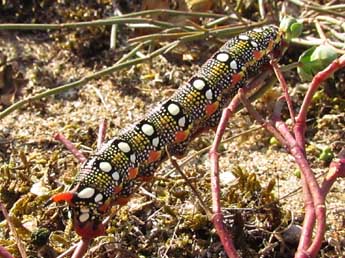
(110, 176)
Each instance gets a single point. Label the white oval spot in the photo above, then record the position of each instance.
(233, 65)
(124, 146)
(86, 193)
(222, 57)
(148, 129)
(209, 94)
(132, 158)
(253, 43)
(115, 176)
(105, 166)
(84, 217)
(182, 121)
(243, 37)
(257, 30)
(198, 84)
(98, 197)
(173, 109)
(155, 142)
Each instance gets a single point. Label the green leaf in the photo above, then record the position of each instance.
(326, 155)
(296, 29)
(314, 60)
(324, 54)
(291, 27)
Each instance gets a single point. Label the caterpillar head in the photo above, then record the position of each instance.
(87, 210)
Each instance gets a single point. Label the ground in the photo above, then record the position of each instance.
(163, 219)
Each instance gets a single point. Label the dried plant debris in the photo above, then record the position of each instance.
(261, 197)
(12, 81)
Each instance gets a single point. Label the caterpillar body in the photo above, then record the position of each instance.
(110, 176)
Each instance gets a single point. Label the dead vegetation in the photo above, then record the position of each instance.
(261, 193)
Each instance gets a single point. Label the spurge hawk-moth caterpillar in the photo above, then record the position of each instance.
(110, 176)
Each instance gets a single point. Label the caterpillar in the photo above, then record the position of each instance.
(110, 176)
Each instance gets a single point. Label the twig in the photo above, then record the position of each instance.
(81, 248)
(85, 79)
(101, 133)
(206, 149)
(174, 13)
(69, 251)
(70, 146)
(199, 34)
(315, 7)
(100, 22)
(19, 242)
(283, 84)
(196, 193)
(311, 41)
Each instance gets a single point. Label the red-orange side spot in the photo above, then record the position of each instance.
(211, 108)
(270, 44)
(122, 200)
(117, 189)
(153, 156)
(181, 136)
(257, 55)
(236, 78)
(104, 207)
(145, 178)
(132, 173)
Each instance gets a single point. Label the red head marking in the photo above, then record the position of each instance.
(60, 197)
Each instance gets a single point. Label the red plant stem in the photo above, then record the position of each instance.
(314, 85)
(101, 133)
(317, 200)
(81, 248)
(314, 205)
(68, 252)
(217, 219)
(309, 206)
(70, 146)
(308, 222)
(4, 253)
(299, 130)
(309, 217)
(310, 186)
(336, 169)
(283, 84)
